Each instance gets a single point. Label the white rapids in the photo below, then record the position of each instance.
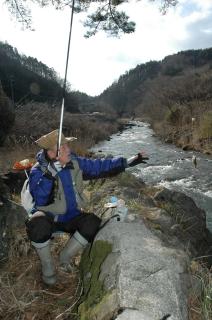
(168, 165)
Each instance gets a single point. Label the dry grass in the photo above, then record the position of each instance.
(9, 155)
(200, 301)
(35, 119)
(22, 293)
(150, 191)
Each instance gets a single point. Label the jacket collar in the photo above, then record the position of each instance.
(40, 157)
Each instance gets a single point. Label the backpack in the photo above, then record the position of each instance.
(27, 200)
(26, 197)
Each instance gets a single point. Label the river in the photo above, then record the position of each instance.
(167, 166)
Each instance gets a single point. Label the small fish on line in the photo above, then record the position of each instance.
(194, 161)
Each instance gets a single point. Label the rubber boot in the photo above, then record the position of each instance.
(72, 247)
(48, 268)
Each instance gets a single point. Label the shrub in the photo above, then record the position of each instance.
(174, 116)
(35, 119)
(206, 125)
(173, 71)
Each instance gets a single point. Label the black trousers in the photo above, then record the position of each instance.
(40, 229)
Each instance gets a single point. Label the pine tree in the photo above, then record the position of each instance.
(7, 115)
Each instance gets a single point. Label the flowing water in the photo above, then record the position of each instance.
(167, 166)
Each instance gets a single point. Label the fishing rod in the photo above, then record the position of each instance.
(65, 81)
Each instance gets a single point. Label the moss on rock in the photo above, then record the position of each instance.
(90, 267)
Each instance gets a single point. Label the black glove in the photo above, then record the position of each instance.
(139, 158)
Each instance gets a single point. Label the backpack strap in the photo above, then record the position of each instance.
(48, 175)
(45, 171)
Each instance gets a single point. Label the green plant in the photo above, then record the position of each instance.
(206, 301)
(90, 266)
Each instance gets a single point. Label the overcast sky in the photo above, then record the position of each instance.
(96, 62)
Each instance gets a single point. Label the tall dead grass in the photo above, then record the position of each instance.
(200, 302)
(35, 119)
(23, 295)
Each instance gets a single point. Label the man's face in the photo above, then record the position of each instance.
(64, 154)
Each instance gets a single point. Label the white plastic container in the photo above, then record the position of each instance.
(121, 210)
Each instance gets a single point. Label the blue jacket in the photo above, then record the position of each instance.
(42, 184)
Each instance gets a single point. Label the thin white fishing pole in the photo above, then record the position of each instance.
(61, 125)
(65, 80)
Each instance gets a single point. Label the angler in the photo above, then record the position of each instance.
(56, 186)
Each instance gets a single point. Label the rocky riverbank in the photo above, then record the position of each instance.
(187, 138)
(139, 269)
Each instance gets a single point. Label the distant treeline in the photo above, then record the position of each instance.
(24, 79)
(130, 91)
(173, 94)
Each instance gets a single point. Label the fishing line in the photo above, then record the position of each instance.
(65, 81)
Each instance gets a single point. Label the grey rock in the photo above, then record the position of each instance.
(129, 314)
(133, 315)
(189, 220)
(146, 274)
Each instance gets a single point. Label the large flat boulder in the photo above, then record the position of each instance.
(141, 277)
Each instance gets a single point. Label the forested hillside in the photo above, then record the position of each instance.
(24, 79)
(175, 95)
(30, 101)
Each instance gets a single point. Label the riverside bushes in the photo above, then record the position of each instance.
(35, 119)
(206, 126)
